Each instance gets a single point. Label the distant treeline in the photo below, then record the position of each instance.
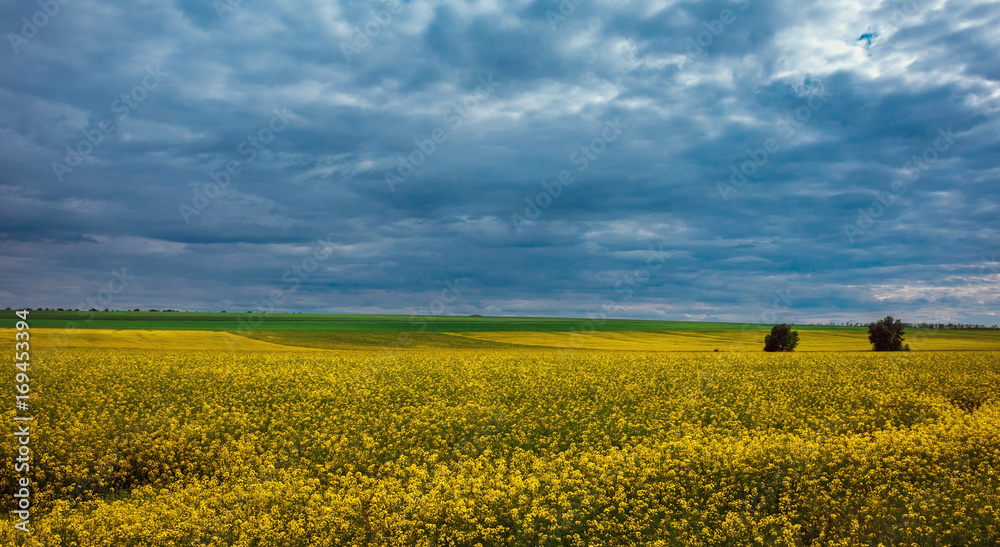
(950, 326)
(94, 309)
(106, 309)
(956, 326)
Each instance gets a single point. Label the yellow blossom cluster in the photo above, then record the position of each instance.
(511, 447)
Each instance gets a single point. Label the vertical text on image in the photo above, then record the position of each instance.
(22, 431)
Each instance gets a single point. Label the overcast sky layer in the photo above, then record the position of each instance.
(725, 160)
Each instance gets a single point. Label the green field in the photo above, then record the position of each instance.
(216, 321)
(342, 331)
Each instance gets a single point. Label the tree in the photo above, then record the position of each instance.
(782, 338)
(887, 335)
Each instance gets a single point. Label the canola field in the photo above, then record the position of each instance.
(256, 443)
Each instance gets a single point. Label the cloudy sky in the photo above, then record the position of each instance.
(723, 160)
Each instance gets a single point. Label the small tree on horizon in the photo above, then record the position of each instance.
(782, 338)
(887, 335)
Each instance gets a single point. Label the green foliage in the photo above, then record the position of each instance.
(887, 335)
(328, 322)
(782, 338)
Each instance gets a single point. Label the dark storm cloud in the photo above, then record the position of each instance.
(767, 150)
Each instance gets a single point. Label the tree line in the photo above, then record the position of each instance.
(885, 335)
(959, 326)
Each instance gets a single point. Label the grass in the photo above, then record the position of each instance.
(366, 332)
(215, 321)
(724, 340)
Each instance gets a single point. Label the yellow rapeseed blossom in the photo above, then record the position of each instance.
(254, 446)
